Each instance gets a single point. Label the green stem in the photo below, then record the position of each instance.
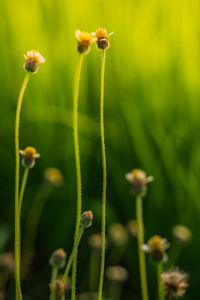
(54, 275)
(21, 195)
(104, 178)
(74, 251)
(78, 168)
(17, 163)
(160, 284)
(143, 276)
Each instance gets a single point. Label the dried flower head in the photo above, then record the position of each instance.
(157, 246)
(58, 258)
(102, 38)
(7, 262)
(53, 176)
(138, 179)
(132, 227)
(85, 39)
(29, 156)
(117, 273)
(182, 234)
(33, 60)
(175, 282)
(59, 288)
(118, 234)
(86, 219)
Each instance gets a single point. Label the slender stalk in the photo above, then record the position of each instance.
(74, 251)
(78, 168)
(104, 178)
(143, 276)
(160, 284)
(17, 227)
(54, 275)
(21, 195)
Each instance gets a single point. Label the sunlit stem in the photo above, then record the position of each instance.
(143, 276)
(160, 284)
(74, 251)
(102, 267)
(17, 164)
(78, 168)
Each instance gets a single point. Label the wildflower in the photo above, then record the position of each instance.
(53, 176)
(157, 246)
(59, 288)
(95, 241)
(86, 219)
(29, 156)
(117, 273)
(132, 227)
(33, 59)
(85, 39)
(182, 234)
(175, 282)
(118, 234)
(58, 258)
(138, 179)
(102, 38)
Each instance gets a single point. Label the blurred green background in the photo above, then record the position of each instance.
(152, 92)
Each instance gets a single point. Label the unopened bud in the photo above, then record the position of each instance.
(86, 219)
(58, 258)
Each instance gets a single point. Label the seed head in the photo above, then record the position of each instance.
(118, 234)
(157, 246)
(29, 156)
(138, 179)
(175, 282)
(182, 234)
(102, 38)
(33, 60)
(58, 258)
(53, 176)
(117, 273)
(85, 39)
(86, 219)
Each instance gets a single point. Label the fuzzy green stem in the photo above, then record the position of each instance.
(78, 168)
(21, 195)
(104, 178)
(143, 276)
(54, 275)
(160, 284)
(17, 164)
(74, 251)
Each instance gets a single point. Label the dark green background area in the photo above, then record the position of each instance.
(152, 92)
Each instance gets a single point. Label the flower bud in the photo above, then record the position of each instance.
(86, 219)
(58, 258)
(29, 156)
(33, 59)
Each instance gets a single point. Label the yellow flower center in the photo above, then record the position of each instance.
(30, 151)
(101, 33)
(156, 243)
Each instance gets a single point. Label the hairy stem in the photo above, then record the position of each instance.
(160, 284)
(74, 251)
(143, 276)
(104, 178)
(54, 275)
(78, 168)
(17, 163)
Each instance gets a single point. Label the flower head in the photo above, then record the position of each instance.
(53, 176)
(86, 219)
(33, 59)
(132, 227)
(182, 234)
(85, 39)
(118, 234)
(102, 38)
(117, 273)
(58, 258)
(29, 156)
(7, 262)
(138, 179)
(175, 282)
(157, 246)
(95, 241)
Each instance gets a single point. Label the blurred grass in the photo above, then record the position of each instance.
(151, 114)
